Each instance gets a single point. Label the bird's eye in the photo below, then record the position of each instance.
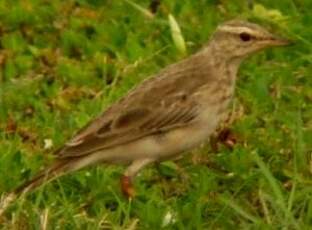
(245, 37)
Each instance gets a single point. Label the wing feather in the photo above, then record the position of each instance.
(129, 127)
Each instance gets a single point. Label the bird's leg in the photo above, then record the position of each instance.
(130, 173)
(224, 134)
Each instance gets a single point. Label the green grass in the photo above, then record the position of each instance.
(63, 62)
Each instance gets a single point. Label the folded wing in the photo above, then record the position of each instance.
(130, 125)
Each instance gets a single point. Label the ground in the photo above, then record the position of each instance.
(63, 62)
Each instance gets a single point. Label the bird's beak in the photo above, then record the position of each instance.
(278, 41)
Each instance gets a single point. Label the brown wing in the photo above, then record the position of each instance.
(129, 126)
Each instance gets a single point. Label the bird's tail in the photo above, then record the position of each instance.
(56, 170)
(46, 175)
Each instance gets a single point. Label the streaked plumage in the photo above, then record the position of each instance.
(167, 114)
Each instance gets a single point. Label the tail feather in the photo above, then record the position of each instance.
(56, 170)
(46, 175)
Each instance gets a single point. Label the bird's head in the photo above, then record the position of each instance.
(237, 39)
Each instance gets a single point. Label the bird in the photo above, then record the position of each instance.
(167, 114)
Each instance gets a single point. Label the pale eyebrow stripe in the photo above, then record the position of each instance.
(236, 29)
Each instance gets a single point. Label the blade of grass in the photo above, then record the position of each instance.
(240, 210)
(141, 9)
(300, 159)
(264, 207)
(176, 35)
(291, 197)
(221, 213)
(268, 175)
(280, 200)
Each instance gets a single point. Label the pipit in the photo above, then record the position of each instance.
(167, 114)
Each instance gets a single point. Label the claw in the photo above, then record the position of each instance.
(226, 137)
(127, 187)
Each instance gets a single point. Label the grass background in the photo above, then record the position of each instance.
(63, 62)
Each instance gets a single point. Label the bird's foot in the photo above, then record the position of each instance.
(226, 137)
(127, 187)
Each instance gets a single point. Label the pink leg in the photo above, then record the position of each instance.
(127, 187)
(126, 180)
